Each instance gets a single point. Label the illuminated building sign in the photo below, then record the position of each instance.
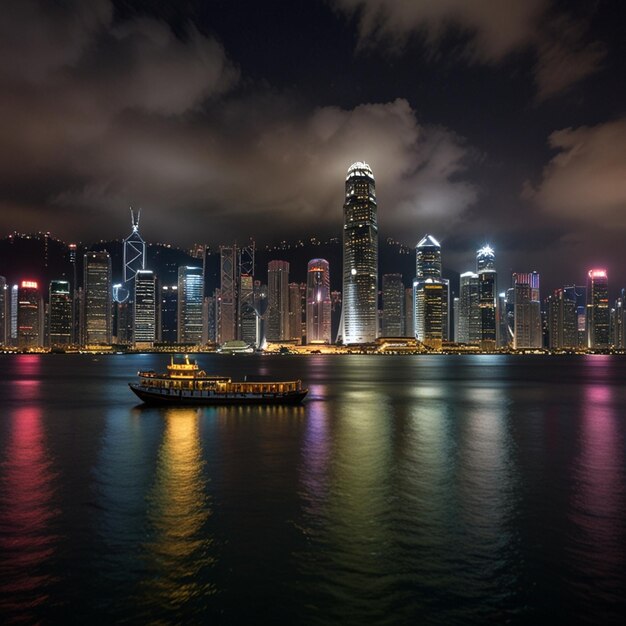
(29, 284)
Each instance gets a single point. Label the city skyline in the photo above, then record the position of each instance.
(502, 124)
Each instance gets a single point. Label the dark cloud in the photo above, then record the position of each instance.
(134, 115)
(491, 29)
(586, 180)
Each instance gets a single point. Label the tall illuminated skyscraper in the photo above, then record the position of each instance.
(97, 298)
(227, 303)
(60, 311)
(597, 309)
(144, 330)
(318, 302)
(295, 312)
(278, 301)
(431, 293)
(562, 321)
(169, 314)
(190, 302)
(29, 310)
(469, 309)
(4, 311)
(527, 311)
(360, 257)
(487, 297)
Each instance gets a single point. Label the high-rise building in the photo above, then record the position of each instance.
(97, 298)
(393, 305)
(619, 321)
(190, 302)
(144, 334)
(4, 312)
(29, 313)
(227, 304)
(597, 310)
(360, 257)
(247, 314)
(428, 285)
(488, 297)
(562, 321)
(527, 311)
(469, 309)
(60, 313)
(278, 301)
(295, 312)
(318, 302)
(430, 296)
(409, 313)
(13, 315)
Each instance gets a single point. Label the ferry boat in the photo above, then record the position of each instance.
(186, 383)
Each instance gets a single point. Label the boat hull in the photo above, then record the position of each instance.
(185, 398)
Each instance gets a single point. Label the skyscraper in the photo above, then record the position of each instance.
(562, 321)
(597, 310)
(97, 298)
(295, 312)
(247, 315)
(469, 309)
(144, 330)
(60, 313)
(134, 252)
(619, 321)
(527, 311)
(428, 258)
(278, 301)
(29, 312)
(431, 321)
(430, 296)
(409, 313)
(487, 297)
(190, 299)
(227, 303)
(360, 257)
(393, 305)
(4, 311)
(318, 302)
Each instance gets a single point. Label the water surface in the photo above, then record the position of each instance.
(439, 489)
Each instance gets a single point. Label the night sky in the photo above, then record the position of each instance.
(500, 121)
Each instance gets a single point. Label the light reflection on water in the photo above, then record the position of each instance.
(178, 508)
(446, 490)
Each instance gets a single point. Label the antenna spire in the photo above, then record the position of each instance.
(135, 220)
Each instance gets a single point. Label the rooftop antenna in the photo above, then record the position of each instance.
(135, 220)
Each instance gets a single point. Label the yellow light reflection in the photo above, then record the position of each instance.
(178, 510)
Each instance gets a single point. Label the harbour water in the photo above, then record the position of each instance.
(435, 489)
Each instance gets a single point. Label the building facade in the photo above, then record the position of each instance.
(60, 313)
(431, 318)
(527, 311)
(469, 324)
(278, 301)
(97, 297)
(360, 257)
(190, 304)
(145, 309)
(393, 305)
(318, 302)
(29, 315)
(598, 310)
